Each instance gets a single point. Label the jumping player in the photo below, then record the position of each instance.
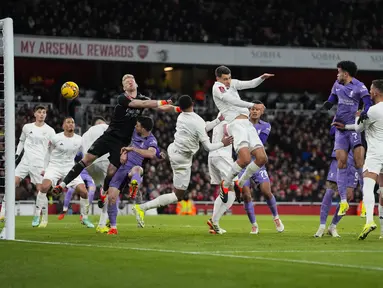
(347, 92)
(261, 177)
(190, 131)
(129, 106)
(331, 188)
(236, 112)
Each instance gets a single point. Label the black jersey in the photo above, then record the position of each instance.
(124, 118)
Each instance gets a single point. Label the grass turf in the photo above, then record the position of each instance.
(173, 251)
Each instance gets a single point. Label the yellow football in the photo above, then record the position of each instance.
(69, 90)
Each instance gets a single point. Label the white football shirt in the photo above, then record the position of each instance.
(229, 102)
(190, 131)
(90, 136)
(64, 150)
(218, 133)
(373, 127)
(35, 142)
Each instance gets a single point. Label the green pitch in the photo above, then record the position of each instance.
(174, 251)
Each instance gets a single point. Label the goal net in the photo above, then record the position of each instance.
(7, 128)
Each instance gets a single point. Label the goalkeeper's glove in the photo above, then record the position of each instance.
(363, 116)
(327, 105)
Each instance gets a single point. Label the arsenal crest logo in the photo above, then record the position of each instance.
(142, 51)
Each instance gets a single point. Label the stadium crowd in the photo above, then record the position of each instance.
(298, 150)
(313, 23)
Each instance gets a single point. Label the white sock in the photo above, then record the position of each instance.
(250, 170)
(2, 212)
(65, 209)
(224, 207)
(322, 226)
(161, 200)
(41, 204)
(104, 214)
(332, 226)
(235, 169)
(84, 208)
(369, 198)
(217, 205)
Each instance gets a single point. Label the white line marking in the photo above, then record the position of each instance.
(283, 260)
(301, 251)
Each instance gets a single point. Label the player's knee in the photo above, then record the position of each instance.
(359, 163)
(342, 163)
(17, 181)
(244, 160)
(88, 159)
(261, 159)
(350, 194)
(246, 195)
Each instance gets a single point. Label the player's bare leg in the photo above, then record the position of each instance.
(369, 180)
(243, 160)
(42, 205)
(75, 171)
(341, 157)
(84, 205)
(260, 156)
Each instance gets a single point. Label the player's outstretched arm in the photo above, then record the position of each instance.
(221, 93)
(146, 153)
(249, 84)
(169, 109)
(209, 147)
(147, 103)
(211, 124)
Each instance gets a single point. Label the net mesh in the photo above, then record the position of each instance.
(2, 146)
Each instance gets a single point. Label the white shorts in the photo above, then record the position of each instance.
(181, 165)
(23, 169)
(373, 164)
(219, 168)
(54, 174)
(98, 171)
(244, 134)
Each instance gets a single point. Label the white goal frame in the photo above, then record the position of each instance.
(6, 25)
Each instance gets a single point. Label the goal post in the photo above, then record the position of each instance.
(8, 105)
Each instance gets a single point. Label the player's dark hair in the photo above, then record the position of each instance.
(222, 70)
(185, 102)
(39, 107)
(146, 122)
(349, 67)
(378, 84)
(258, 102)
(96, 118)
(67, 117)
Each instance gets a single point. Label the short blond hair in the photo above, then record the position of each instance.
(126, 76)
